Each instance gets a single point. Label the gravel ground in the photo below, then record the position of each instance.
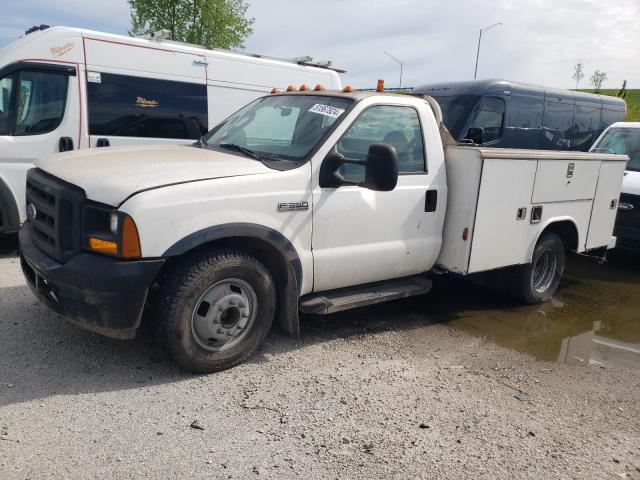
(381, 393)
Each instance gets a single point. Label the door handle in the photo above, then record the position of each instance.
(65, 144)
(431, 201)
(102, 142)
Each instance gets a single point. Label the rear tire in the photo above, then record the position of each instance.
(215, 309)
(537, 282)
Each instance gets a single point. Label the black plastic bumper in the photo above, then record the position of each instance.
(628, 238)
(97, 293)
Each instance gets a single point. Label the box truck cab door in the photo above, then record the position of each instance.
(39, 116)
(361, 235)
(136, 110)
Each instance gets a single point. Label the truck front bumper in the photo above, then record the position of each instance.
(98, 293)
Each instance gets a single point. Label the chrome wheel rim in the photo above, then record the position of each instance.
(544, 271)
(224, 314)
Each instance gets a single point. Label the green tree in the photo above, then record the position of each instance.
(211, 23)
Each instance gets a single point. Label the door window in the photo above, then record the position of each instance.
(6, 89)
(394, 125)
(127, 106)
(40, 103)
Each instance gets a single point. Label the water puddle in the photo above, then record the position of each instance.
(594, 318)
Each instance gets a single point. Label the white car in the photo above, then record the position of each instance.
(624, 138)
(313, 201)
(66, 88)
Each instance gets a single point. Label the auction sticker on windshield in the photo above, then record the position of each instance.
(326, 110)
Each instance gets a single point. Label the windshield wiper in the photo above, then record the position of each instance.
(237, 148)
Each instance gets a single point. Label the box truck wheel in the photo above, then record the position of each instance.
(215, 309)
(538, 281)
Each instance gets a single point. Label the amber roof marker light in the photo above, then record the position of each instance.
(347, 89)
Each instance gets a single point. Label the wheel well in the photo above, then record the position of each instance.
(567, 232)
(287, 280)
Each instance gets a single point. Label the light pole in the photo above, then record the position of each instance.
(482, 30)
(401, 64)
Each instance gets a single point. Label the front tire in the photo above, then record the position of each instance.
(537, 282)
(215, 309)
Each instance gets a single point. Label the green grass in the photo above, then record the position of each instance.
(632, 99)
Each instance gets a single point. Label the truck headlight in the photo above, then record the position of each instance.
(110, 232)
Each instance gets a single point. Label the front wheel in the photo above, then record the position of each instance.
(538, 281)
(215, 310)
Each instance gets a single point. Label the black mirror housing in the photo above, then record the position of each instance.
(476, 135)
(381, 169)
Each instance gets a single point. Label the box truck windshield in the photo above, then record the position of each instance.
(455, 111)
(623, 141)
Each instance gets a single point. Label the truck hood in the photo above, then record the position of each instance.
(111, 175)
(631, 182)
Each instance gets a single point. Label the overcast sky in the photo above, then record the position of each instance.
(539, 41)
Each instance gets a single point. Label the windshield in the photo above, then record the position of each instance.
(279, 127)
(455, 111)
(625, 141)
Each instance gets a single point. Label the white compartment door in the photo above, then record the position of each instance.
(605, 204)
(565, 180)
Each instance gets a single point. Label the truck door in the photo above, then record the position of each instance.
(362, 236)
(39, 116)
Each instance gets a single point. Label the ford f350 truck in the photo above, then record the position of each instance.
(313, 201)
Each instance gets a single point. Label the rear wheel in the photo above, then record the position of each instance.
(538, 281)
(215, 310)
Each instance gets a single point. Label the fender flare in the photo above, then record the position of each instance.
(288, 297)
(9, 208)
(544, 227)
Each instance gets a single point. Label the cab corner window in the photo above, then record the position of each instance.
(41, 102)
(488, 121)
(397, 126)
(6, 90)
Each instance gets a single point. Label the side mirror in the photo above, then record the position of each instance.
(476, 135)
(381, 169)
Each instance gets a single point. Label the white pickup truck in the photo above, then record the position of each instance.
(312, 201)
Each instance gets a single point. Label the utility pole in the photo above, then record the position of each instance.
(482, 30)
(401, 65)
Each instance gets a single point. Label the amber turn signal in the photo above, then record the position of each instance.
(103, 246)
(130, 239)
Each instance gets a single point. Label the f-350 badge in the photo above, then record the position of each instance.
(292, 206)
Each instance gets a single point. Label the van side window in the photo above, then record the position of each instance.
(41, 101)
(127, 106)
(394, 125)
(6, 88)
(490, 117)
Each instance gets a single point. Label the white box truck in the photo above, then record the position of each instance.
(69, 89)
(304, 201)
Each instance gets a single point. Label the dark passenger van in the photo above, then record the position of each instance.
(503, 114)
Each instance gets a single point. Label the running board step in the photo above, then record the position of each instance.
(333, 301)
